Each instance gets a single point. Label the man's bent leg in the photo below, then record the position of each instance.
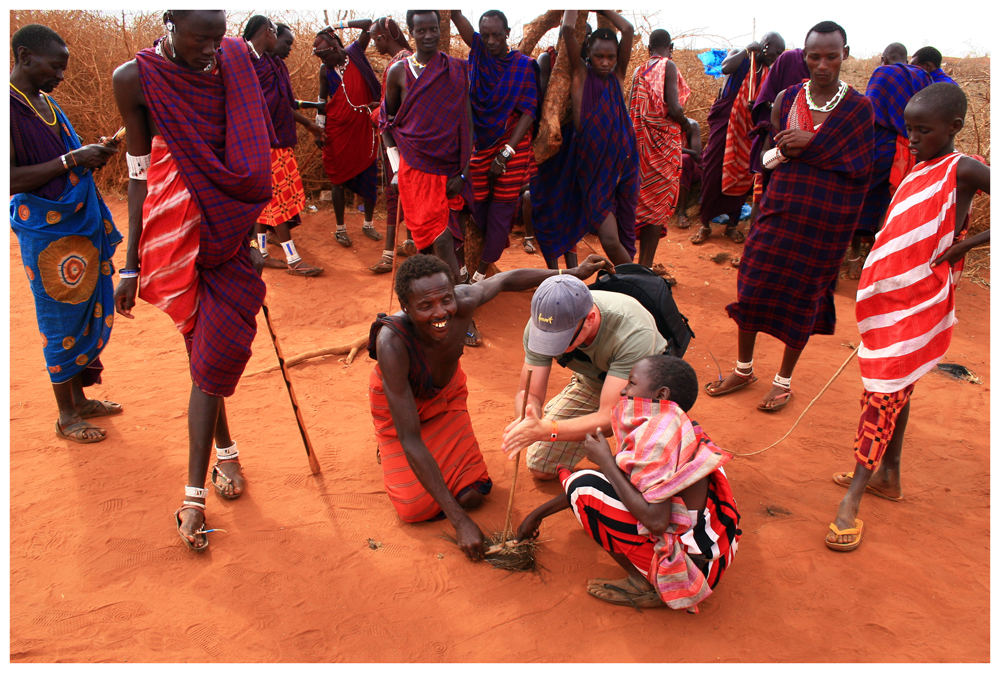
(580, 397)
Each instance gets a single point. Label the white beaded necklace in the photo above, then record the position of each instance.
(340, 71)
(830, 104)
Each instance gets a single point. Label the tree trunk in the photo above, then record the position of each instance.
(556, 107)
(534, 31)
(445, 27)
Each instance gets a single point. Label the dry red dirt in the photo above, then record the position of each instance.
(99, 574)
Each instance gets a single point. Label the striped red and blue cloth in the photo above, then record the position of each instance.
(808, 214)
(431, 127)
(498, 88)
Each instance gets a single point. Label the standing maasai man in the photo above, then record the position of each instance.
(690, 171)
(390, 41)
(890, 87)
(726, 177)
(659, 94)
(427, 129)
(349, 85)
(809, 211)
(929, 59)
(63, 228)
(504, 97)
(198, 131)
(594, 183)
(289, 199)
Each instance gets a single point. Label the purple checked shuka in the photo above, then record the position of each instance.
(807, 216)
(595, 172)
(431, 127)
(276, 85)
(499, 87)
(219, 131)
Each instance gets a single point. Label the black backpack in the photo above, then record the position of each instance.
(654, 294)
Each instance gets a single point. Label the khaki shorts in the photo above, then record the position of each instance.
(580, 397)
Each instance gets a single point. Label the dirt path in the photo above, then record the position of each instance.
(98, 573)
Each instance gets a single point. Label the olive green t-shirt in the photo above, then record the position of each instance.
(627, 334)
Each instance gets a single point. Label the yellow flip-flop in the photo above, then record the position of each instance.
(856, 531)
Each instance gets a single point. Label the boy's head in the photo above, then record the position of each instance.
(663, 377)
(934, 115)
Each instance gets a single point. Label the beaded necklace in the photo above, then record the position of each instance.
(343, 85)
(417, 65)
(47, 99)
(830, 104)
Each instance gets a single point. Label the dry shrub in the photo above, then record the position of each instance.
(99, 42)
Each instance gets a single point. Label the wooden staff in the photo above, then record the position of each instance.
(392, 279)
(510, 499)
(313, 463)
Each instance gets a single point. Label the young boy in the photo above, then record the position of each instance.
(662, 507)
(906, 296)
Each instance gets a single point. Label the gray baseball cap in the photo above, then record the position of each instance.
(557, 307)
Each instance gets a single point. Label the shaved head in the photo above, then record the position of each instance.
(894, 53)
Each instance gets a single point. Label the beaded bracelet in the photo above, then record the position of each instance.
(128, 273)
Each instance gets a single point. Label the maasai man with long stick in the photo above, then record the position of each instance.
(426, 125)
(390, 41)
(199, 142)
(289, 199)
(726, 161)
(430, 458)
(350, 87)
(593, 186)
(890, 88)
(504, 97)
(64, 230)
(659, 94)
(821, 168)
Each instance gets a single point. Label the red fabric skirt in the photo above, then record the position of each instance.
(425, 203)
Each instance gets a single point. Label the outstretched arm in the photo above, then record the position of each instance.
(524, 279)
(394, 362)
(624, 42)
(529, 527)
(463, 25)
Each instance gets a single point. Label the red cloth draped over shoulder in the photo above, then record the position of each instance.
(218, 129)
(736, 176)
(350, 146)
(445, 428)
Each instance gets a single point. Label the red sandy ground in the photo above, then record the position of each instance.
(98, 572)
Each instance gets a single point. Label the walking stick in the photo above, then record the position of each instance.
(510, 499)
(392, 280)
(313, 463)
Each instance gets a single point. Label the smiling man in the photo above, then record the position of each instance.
(430, 457)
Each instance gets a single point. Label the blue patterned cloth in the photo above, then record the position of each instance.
(66, 248)
(712, 60)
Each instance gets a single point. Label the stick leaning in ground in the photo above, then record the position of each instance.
(510, 499)
(310, 453)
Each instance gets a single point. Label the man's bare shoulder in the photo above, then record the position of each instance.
(126, 74)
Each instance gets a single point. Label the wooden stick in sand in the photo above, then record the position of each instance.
(310, 453)
(510, 499)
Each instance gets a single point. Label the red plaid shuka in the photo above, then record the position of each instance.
(289, 198)
(216, 138)
(520, 167)
(498, 89)
(737, 179)
(808, 213)
(350, 142)
(879, 412)
(905, 307)
(659, 142)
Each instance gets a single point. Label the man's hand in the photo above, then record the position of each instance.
(453, 186)
(522, 432)
(470, 539)
(497, 168)
(597, 447)
(125, 296)
(256, 259)
(317, 132)
(528, 529)
(92, 156)
(590, 266)
(953, 254)
(791, 142)
(394, 184)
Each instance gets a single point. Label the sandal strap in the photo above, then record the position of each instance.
(192, 504)
(216, 471)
